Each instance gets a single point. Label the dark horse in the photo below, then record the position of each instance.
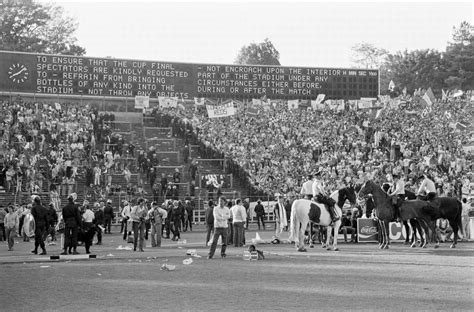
(415, 225)
(385, 211)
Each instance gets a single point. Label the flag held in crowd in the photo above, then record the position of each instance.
(457, 93)
(391, 85)
(252, 111)
(199, 101)
(293, 104)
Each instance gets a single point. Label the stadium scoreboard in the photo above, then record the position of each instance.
(80, 75)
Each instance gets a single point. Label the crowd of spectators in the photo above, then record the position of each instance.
(46, 147)
(273, 152)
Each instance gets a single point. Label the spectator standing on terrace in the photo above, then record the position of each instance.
(221, 215)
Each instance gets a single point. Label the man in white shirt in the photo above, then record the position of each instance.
(239, 216)
(88, 229)
(221, 216)
(307, 188)
(320, 196)
(397, 192)
(126, 215)
(428, 187)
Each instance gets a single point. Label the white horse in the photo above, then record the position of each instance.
(299, 217)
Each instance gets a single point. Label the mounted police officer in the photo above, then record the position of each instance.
(307, 188)
(397, 192)
(320, 195)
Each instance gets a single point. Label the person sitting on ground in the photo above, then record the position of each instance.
(346, 227)
(443, 229)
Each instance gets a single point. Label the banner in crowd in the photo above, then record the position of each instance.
(224, 110)
(142, 101)
(168, 102)
(252, 111)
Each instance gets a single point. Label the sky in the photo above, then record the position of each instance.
(306, 33)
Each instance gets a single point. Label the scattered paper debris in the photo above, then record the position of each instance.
(188, 261)
(120, 247)
(168, 267)
(99, 274)
(191, 252)
(110, 255)
(44, 266)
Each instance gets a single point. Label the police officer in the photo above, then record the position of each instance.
(397, 193)
(40, 214)
(307, 188)
(72, 220)
(320, 195)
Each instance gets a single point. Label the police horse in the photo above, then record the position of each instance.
(300, 211)
(425, 212)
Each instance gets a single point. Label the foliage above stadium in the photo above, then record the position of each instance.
(29, 26)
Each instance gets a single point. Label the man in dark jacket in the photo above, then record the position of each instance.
(99, 221)
(260, 212)
(188, 205)
(209, 221)
(40, 214)
(72, 220)
(108, 216)
(175, 217)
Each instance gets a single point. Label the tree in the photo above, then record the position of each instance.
(368, 56)
(28, 26)
(263, 53)
(417, 69)
(460, 57)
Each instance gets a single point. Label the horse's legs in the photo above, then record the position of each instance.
(455, 227)
(407, 232)
(380, 237)
(311, 244)
(301, 236)
(387, 235)
(336, 232)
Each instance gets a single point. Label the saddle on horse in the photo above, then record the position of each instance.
(329, 204)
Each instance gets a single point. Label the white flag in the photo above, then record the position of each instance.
(391, 85)
(293, 104)
(199, 101)
(142, 101)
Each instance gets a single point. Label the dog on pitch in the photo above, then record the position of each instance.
(253, 249)
(86, 235)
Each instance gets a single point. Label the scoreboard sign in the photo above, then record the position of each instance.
(79, 75)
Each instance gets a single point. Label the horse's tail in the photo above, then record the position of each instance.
(459, 217)
(293, 226)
